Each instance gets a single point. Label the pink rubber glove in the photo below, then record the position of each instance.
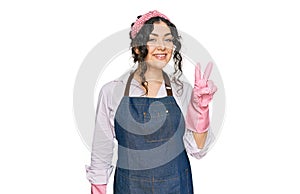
(98, 189)
(197, 118)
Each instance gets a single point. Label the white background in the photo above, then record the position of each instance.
(254, 43)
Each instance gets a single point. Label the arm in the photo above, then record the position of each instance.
(192, 146)
(197, 118)
(99, 171)
(200, 139)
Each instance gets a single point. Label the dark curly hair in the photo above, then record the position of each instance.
(139, 42)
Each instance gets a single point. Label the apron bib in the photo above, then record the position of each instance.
(151, 154)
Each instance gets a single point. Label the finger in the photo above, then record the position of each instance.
(197, 73)
(202, 91)
(207, 71)
(212, 87)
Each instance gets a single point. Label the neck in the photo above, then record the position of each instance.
(152, 74)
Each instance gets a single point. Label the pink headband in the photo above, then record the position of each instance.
(140, 22)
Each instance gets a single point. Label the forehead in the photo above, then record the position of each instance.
(161, 28)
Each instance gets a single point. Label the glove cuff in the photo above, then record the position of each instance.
(198, 121)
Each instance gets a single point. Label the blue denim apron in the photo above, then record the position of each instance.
(151, 154)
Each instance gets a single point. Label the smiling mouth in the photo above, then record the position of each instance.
(160, 56)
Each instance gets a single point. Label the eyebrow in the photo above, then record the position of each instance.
(158, 35)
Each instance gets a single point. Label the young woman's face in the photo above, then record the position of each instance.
(160, 46)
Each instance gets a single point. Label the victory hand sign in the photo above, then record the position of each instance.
(197, 118)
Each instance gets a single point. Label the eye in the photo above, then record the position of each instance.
(152, 40)
(169, 39)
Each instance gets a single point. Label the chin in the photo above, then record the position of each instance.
(158, 66)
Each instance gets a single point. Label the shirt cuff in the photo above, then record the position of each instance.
(192, 147)
(96, 176)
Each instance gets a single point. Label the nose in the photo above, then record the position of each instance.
(161, 45)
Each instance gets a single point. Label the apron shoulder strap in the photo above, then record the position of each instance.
(167, 84)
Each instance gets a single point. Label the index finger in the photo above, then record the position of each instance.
(197, 73)
(207, 71)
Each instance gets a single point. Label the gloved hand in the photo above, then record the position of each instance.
(98, 189)
(197, 117)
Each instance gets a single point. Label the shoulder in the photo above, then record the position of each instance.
(112, 91)
(113, 86)
(181, 84)
(187, 85)
(182, 88)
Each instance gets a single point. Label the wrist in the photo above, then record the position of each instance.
(203, 121)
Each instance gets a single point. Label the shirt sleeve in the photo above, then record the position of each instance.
(103, 141)
(188, 138)
(191, 145)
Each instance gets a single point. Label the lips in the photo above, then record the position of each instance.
(160, 56)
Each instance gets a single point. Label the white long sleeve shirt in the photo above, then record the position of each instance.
(109, 98)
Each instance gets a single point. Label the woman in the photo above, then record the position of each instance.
(155, 120)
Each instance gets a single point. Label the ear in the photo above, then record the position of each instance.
(136, 50)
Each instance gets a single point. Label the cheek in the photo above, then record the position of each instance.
(170, 52)
(150, 49)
